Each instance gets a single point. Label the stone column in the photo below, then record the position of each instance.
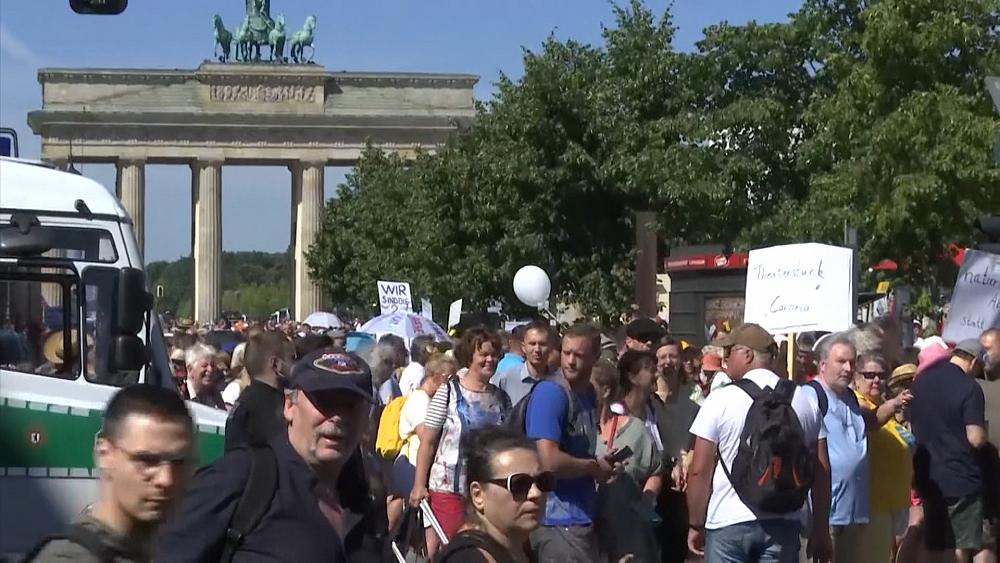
(206, 209)
(307, 209)
(131, 190)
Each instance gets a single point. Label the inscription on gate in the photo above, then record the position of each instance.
(261, 93)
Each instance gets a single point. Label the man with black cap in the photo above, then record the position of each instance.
(642, 334)
(319, 506)
(722, 526)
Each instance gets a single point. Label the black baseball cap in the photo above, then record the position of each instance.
(331, 369)
(644, 330)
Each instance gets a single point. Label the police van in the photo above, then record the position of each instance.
(76, 324)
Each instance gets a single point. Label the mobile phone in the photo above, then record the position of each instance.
(620, 455)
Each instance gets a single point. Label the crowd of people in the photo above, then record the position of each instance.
(557, 444)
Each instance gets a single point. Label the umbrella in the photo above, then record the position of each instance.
(323, 320)
(405, 325)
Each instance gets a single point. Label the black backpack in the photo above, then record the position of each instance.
(774, 468)
(517, 419)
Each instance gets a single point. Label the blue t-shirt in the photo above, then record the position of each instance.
(509, 361)
(572, 502)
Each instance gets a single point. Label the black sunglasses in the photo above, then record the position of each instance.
(519, 484)
(872, 374)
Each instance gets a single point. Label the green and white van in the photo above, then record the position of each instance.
(69, 265)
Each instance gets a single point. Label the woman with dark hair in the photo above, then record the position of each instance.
(626, 514)
(463, 404)
(504, 498)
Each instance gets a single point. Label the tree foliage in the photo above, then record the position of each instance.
(253, 283)
(870, 112)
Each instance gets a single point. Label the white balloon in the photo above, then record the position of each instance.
(532, 286)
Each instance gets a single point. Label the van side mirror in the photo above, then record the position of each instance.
(133, 301)
(129, 353)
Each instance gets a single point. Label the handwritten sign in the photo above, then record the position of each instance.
(975, 302)
(454, 313)
(394, 296)
(801, 287)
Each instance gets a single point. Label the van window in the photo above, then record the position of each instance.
(100, 309)
(38, 323)
(83, 245)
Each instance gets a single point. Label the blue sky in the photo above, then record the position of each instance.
(468, 36)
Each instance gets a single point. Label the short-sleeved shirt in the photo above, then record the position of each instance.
(572, 502)
(847, 444)
(509, 361)
(410, 379)
(454, 410)
(945, 401)
(720, 421)
(413, 414)
(518, 382)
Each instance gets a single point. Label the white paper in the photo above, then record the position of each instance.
(426, 309)
(394, 296)
(975, 302)
(454, 313)
(801, 287)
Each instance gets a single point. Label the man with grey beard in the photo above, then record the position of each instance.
(315, 506)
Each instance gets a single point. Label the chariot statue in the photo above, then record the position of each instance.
(257, 29)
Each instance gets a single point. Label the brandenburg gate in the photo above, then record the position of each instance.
(297, 115)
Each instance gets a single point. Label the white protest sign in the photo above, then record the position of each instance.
(394, 296)
(426, 309)
(801, 287)
(454, 313)
(975, 302)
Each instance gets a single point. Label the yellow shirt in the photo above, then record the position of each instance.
(890, 466)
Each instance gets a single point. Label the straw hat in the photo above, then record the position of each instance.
(52, 350)
(902, 374)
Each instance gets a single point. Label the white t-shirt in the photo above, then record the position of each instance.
(232, 392)
(720, 421)
(413, 413)
(411, 378)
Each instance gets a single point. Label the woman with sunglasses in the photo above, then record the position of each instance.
(504, 498)
(889, 463)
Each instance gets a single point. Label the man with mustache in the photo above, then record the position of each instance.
(320, 508)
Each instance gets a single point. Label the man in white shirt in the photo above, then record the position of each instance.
(721, 525)
(421, 349)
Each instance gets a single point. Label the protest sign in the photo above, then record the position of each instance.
(454, 313)
(394, 297)
(426, 309)
(975, 302)
(801, 287)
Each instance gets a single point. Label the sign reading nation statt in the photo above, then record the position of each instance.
(801, 287)
(975, 302)
(394, 297)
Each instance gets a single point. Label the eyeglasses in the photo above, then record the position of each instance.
(872, 374)
(519, 484)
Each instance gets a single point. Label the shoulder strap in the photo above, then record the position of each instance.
(749, 387)
(89, 540)
(79, 535)
(824, 404)
(475, 539)
(255, 500)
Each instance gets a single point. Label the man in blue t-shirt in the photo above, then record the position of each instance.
(566, 435)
